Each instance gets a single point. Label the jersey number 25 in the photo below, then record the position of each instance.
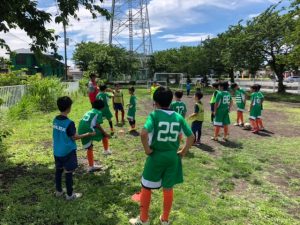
(168, 132)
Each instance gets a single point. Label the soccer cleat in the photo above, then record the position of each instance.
(107, 152)
(214, 139)
(59, 194)
(241, 125)
(163, 222)
(92, 169)
(262, 129)
(74, 196)
(137, 221)
(236, 124)
(255, 131)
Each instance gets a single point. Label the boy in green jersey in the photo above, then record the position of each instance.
(177, 105)
(197, 117)
(240, 99)
(160, 138)
(213, 100)
(106, 113)
(255, 109)
(221, 111)
(91, 122)
(132, 108)
(262, 97)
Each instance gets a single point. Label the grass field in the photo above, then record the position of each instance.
(250, 180)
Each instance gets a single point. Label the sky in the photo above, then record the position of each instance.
(173, 23)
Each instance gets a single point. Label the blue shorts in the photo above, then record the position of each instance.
(68, 162)
(118, 106)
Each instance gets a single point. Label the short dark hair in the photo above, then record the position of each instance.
(131, 89)
(216, 84)
(103, 87)
(254, 87)
(258, 87)
(199, 95)
(98, 104)
(64, 103)
(163, 96)
(234, 85)
(178, 94)
(92, 75)
(225, 85)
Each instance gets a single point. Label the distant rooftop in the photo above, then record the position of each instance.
(23, 51)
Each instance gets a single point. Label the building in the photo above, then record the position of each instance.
(47, 65)
(74, 73)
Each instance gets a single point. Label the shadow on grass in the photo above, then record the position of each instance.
(190, 155)
(205, 148)
(134, 133)
(231, 144)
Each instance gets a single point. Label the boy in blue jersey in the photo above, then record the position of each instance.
(64, 148)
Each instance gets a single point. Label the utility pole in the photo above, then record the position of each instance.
(65, 42)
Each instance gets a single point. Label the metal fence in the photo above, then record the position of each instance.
(13, 94)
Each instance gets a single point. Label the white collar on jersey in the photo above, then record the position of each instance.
(169, 112)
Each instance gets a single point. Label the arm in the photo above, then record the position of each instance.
(189, 142)
(144, 139)
(216, 107)
(80, 136)
(102, 131)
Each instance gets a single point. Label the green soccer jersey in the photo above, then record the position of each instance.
(223, 98)
(179, 107)
(90, 119)
(164, 127)
(132, 102)
(104, 97)
(240, 97)
(256, 100)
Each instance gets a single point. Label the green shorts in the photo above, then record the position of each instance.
(88, 141)
(240, 107)
(106, 113)
(162, 169)
(255, 113)
(222, 118)
(131, 114)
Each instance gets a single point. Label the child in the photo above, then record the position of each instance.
(64, 148)
(213, 100)
(221, 111)
(255, 109)
(240, 98)
(91, 122)
(160, 138)
(153, 88)
(177, 105)
(197, 117)
(106, 113)
(118, 102)
(188, 88)
(132, 108)
(93, 88)
(262, 97)
(198, 86)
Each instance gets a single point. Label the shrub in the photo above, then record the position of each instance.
(13, 78)
(4, 128)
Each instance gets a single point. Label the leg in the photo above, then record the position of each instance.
(111, 126)
(58, 178)
(199, 131)
(217, 131)
(117, 115)
(194, 129)
(168, 200)
(69, 182)
(225, 131)
(123, 115)
(145, 204)
(90, 156)
(105, 143)
(133, 123)
(238, 117)
(242, 118)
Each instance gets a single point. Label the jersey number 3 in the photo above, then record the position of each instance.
(167, 131)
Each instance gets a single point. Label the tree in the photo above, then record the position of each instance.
(266, 35)
(26, 15)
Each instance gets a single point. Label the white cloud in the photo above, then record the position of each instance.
(186, 38)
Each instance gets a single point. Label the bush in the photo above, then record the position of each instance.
(13, 78)
(4, 128)
(41, 96)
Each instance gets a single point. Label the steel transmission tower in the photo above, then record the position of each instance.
(130, 28)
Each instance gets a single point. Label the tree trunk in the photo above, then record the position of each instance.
(231, 74)
(279, 69)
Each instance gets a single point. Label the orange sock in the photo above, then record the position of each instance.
(242, 117)
(260, 123)
(225, 131)
(105, 143)
(253, 124)
(145, 204)
(168, 200)
(90, 156)
(217, 131)
(238, 117)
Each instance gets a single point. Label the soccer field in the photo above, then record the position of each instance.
(252, 179)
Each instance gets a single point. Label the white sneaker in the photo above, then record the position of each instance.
(74, 196)
(94, 168)
(137, 221)
(107, 152)
(59, 194)
(163, 222)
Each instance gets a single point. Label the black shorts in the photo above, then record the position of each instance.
(68, 162)
(118, 106)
